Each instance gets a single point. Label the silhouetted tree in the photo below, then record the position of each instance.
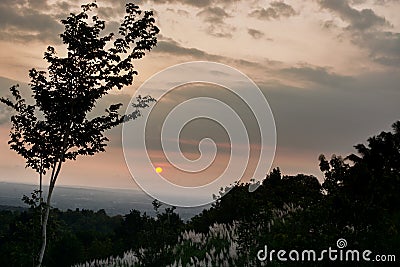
(363, 191)
(57, 128)
(372, 176)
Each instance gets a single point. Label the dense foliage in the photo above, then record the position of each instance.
(359, 201)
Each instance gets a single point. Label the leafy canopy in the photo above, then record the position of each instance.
(57, 127)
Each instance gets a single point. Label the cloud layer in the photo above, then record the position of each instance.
(369, 31)
(329, 69)
(25, 21)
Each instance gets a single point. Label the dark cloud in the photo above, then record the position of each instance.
(221, 30)
(215, 17)
(23, 21)
(315, 74)
(39, 20)
(366, 29)
(276, 10)
(384, 46)
(171, 47)
(213, 14)
(174, 48)
(359, 19)
(256, 34)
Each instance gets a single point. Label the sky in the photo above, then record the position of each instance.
(329, 70)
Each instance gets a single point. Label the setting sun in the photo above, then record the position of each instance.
(159, 170)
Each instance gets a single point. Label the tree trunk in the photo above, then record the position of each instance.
(41, 192)
(47, 212)
(53, 179)
(44, 225)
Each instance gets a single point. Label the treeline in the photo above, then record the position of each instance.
(358, 201)
(80, 235)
